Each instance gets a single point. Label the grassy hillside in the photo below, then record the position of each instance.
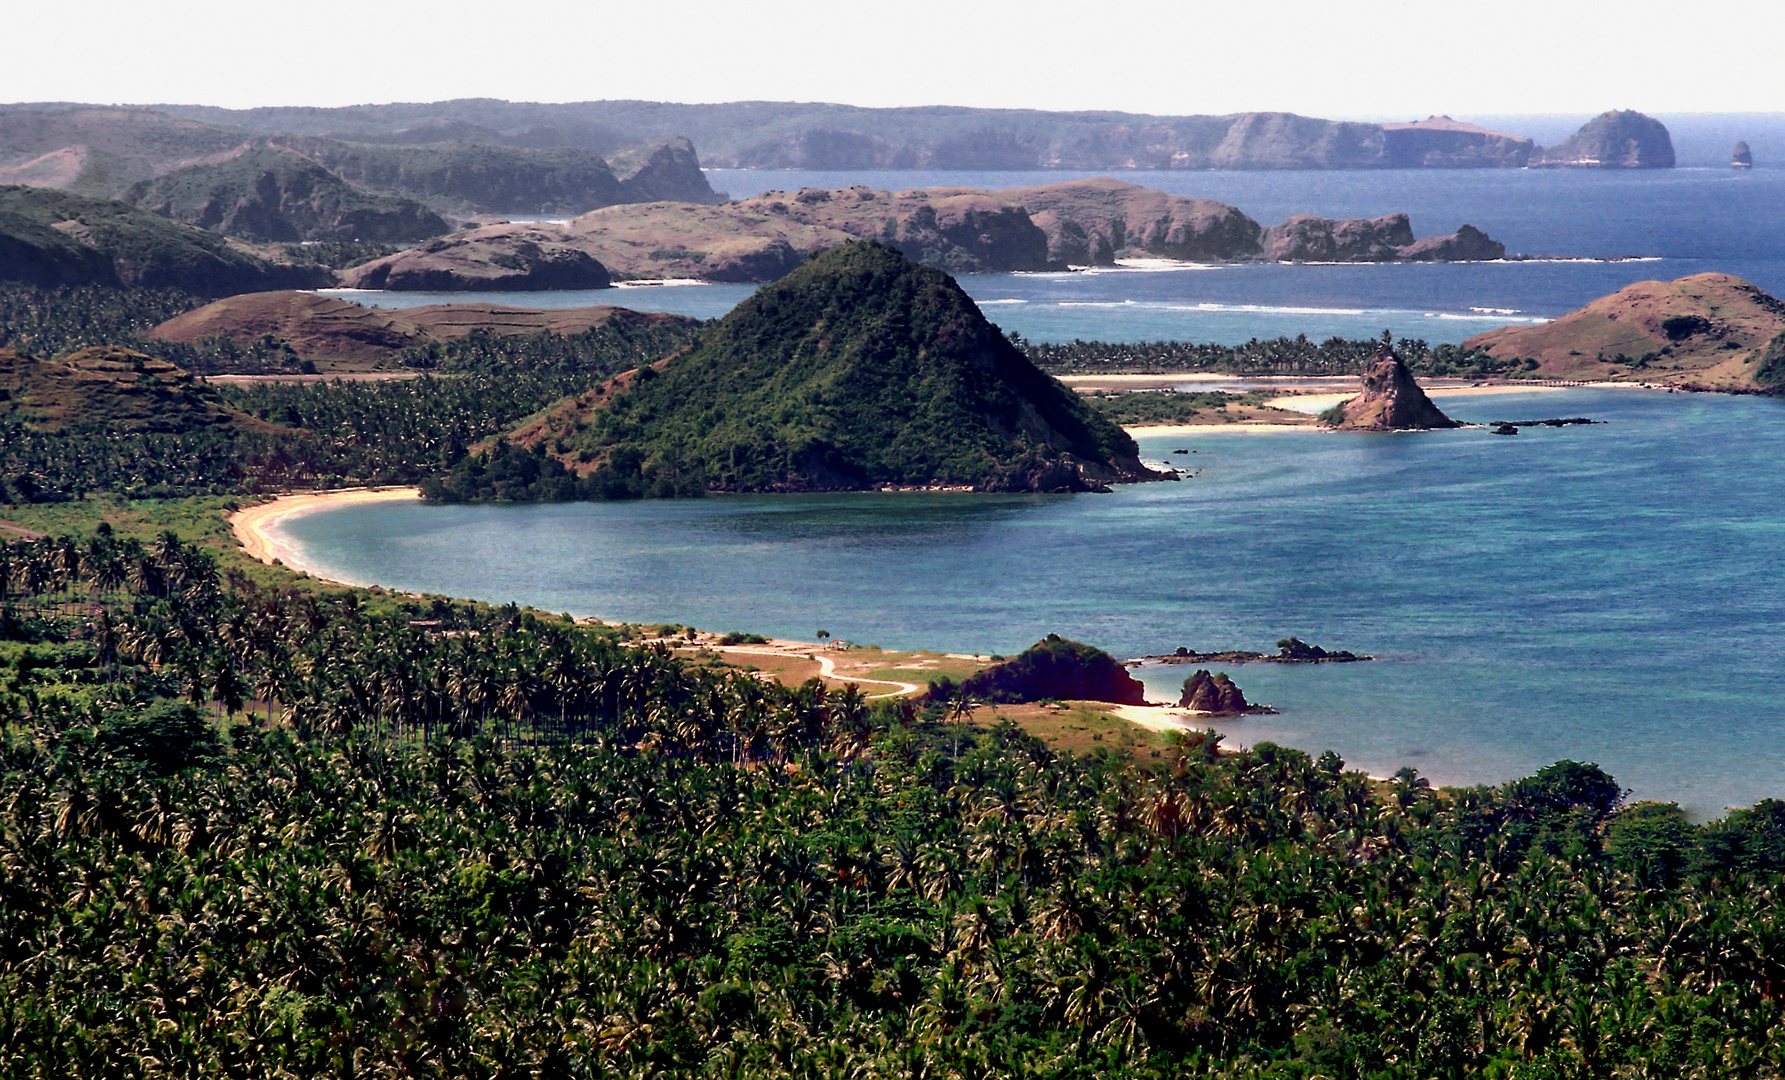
(860, 369)
(108, 389)
(1708, 331)
(274, 195)
(54, 238)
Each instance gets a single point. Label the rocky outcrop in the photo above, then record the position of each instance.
(1706, 331)
(270, 194)
(497, 258)
(961, 230)
(1467, 244)
(666, 172)
(329, 328)
(1053, 669)
(1613, 140)
(1438, 142)
(1391, 401)
(1305, 238)
(1216, 695)
(1094, 222)
(1741, 157)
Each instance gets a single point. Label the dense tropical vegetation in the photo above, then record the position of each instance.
(1278, 356)
(252, 830)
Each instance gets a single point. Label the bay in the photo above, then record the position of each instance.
(1612, 593)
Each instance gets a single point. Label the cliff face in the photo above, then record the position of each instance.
(961, 230)
(1438, 142)
(1304, 238)
(1706, 330)
(480, 178)
(1391, 401)
(1613, 140)
(275, 195)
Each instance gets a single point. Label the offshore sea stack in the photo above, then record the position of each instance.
(1216, 695)
(1741, 157)
(1391, 401)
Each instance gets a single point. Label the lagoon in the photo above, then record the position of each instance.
(1612, 593)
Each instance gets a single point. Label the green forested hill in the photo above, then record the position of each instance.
(54, 238)
(271, 194)
(857, 370)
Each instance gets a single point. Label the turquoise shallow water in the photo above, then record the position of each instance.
(1613, 593)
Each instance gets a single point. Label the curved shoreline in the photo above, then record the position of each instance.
(253, 524)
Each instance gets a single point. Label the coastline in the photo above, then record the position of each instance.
(252, 524)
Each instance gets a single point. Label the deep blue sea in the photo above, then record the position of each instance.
(1615, 228)
(1613, 593)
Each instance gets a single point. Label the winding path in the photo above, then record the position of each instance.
(827, 669)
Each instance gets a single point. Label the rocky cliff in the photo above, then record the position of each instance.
(1438, 142)
(1706, 330)
(1613, 140)
(270, 194)
(1305, 238)
(962, 230)
(1391, 401)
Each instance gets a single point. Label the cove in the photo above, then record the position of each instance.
(1611, 593)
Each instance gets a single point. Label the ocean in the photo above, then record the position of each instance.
(1611, 593)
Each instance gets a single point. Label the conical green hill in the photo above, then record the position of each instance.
(859, 369)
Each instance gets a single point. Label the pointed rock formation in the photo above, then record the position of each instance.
(1216, 695)
(1391, 401)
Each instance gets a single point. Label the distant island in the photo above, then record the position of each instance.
(962, 230)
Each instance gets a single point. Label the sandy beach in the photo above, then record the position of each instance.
(251, 524)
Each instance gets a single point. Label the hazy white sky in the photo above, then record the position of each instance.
(1374, 58)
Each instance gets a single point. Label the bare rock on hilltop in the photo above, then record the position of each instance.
(497, 258)
(1391, 401)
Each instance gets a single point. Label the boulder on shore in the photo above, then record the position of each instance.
(1216, 695)
(1391, 401)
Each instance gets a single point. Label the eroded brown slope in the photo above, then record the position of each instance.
(1706, 330)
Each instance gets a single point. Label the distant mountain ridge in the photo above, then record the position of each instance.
(103, 151)
(789, 135)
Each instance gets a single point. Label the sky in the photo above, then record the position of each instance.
(1362, 59)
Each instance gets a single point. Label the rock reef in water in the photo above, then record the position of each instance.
(1305, 238)
(1391, 401)
(1623, 139)
(1216, 695)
